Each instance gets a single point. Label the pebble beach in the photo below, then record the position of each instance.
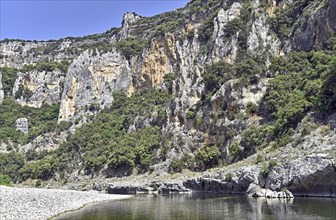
(36, 204)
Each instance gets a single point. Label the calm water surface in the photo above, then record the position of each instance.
(205, 206)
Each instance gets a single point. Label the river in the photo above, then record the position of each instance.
(205, 206)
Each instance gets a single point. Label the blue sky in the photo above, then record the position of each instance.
(50, 19)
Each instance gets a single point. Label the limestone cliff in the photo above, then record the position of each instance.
(90, 82)
(220, 62)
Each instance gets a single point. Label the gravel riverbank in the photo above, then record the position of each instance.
(35, 204)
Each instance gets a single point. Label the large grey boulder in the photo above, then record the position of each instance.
(312, 176)
(21, 124)
(255, 190)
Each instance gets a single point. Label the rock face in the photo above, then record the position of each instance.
(90, 82)
(37, 88)
(225, 47)
(316, 28)
(309, 177)
(313, 176)
(128, 20)
(21, 124)
(47, 141)
(158, 62)
(237, 184)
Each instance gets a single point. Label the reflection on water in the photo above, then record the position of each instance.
(205, 206)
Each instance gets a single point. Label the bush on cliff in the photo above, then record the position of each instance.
(208, 157)
(8, 79)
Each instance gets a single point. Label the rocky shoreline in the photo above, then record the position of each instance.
(311, 176)
(30, 203)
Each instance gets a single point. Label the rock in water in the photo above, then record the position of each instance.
(255, 190)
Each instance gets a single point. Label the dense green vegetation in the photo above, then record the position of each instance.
(297, 87)
(170, 26)
(247, 71)
(8, 79)
(128, 47)
(47, 66)
(216, 75)
(10, 164)
(104, 141)
(131, 47)
(5, 180)
(303, 82)
(41, 120)
(208, 157)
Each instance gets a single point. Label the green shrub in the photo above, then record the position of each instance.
(191, 114)
(206, 30)
(251, 108)
(31, 155)
(331, 44)
(131, 47)
(259, 159)
(176, 165)
(168, 80)
(327, 94)
(199, 122)
(191, 34)
(233, 26)
(325, 130)
(208, 157)
(5, 180)
(272, 163)
(10, 164)
(234, 149)
(26, 93)
(307, 129)
(47, 66)
(217, 74)
(283, 140)
(63, 126)
(256, 137)
(265, 170)
(249, 70)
